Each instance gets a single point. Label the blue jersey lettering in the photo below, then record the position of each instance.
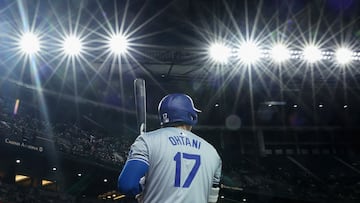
(181, 140)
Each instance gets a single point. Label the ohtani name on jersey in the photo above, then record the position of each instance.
(181, 140)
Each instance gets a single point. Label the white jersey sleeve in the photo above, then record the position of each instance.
(182, 166)
(217, 175)
(139, 150)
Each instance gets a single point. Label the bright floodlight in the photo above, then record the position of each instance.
(312, 54)
(343, 55)
(29, 43)
(249, 53)
(219, 52)
(280, 53)
(118, 44)
(72, 45)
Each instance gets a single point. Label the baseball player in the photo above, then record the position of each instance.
(171, 164)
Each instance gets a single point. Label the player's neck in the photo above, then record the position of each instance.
(185, 127)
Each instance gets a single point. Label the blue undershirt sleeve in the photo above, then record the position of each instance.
(128, 181)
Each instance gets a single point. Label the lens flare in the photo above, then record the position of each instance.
(29, 43)
(118, 44)
(280, 53)
(219, 52)
(343, 56)
(312, 54)
(249, 53)
(72, 46)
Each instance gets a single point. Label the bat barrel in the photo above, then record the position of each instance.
(140, 104)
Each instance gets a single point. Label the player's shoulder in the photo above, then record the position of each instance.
(155, 132)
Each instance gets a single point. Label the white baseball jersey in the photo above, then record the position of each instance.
(182, 166)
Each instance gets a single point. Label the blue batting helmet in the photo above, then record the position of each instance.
(175, 108)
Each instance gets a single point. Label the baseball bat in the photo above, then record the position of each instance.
(140, 104)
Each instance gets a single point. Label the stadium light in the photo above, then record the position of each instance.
(118, 44)
(343, 56)
(249, 53)
(312, 53)
(280, 53)
(29, 43)
(72, 46)
(219, 52)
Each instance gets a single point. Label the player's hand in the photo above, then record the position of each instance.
(142, 183)
(139, 198)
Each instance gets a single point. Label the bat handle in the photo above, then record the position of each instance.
(142, 128)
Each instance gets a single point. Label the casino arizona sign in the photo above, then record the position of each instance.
(23, 145)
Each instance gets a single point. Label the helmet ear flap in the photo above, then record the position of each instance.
(193, 118)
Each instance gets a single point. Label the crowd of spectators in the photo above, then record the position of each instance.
(73, 140)
(279, 176)
(69, 138)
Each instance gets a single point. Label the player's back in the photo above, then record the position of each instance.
(182, 167)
